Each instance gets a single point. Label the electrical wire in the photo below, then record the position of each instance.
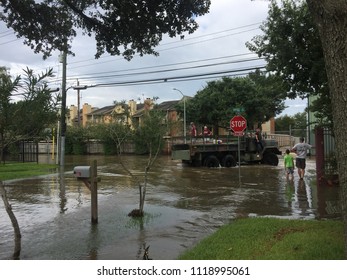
(216, 74)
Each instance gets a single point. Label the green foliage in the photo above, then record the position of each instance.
(113, 135)
(37, 101)
(149, 134)
(119, 27)
(76, 138)
(261, 96)
(292, 48)
(272, 239)
(296, 122)
(7, 87)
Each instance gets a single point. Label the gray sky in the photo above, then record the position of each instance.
(218, 47)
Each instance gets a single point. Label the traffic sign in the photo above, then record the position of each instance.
(238, 124)
(239, 110)
(238, 134)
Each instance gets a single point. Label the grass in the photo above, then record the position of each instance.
(272, 239)
(11, 171)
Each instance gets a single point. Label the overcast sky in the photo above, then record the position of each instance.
(216, 49)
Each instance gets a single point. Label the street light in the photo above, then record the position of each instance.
(184, 115)
(63, 121)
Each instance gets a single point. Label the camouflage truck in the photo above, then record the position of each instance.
(217, 153)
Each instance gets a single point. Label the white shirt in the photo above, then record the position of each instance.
(301, 149)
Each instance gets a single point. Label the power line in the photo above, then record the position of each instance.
(170, 43)
(179, 78)
(162, 50)
(8, 42)
(94, 77)
(5, 34)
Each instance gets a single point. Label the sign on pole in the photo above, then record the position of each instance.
(238, 124)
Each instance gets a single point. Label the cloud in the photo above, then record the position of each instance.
(219, 40)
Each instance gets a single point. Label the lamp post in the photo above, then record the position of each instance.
(184, 115)
(63, 121)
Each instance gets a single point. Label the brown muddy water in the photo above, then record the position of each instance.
(183, 205)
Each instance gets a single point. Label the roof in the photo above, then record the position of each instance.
(167, 105)
(164, 106)
(102, 111)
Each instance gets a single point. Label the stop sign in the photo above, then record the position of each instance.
(238, 124)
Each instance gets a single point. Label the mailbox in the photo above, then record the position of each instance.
(81, 171)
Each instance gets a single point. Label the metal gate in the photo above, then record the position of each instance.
(325, 152)
(28, 151)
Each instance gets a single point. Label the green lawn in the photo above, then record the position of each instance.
(10, 171)
(272, 239)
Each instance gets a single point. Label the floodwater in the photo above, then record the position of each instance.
(183, 205)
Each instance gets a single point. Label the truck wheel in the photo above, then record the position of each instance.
(270, 159)
(212, 161)
(229, 161)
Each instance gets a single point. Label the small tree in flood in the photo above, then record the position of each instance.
(150, 134)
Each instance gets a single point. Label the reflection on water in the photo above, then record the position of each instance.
(183, 205)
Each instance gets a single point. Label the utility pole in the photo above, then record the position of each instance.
(63, 108)
(78, 104)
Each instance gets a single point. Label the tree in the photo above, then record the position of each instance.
(296, 123)
(292, 48)
(283, 123)
(331, 20)
(38, 102)
(14, 221)
(119, 27)
(149, 135)
(260, 95)
(150, 132)
(7, 88)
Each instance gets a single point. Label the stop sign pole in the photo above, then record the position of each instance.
(238, 124)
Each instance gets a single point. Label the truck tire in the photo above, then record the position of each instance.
(270, 159)
(229, 161)
(211, 161)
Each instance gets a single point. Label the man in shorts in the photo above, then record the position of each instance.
(301, 152)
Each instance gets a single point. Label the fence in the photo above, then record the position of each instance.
(283, 140)
(23, 151)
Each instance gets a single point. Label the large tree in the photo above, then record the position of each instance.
(260, 96)
(331, 20)
(292, 48)
(120, 27)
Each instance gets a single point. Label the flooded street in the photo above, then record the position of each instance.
(183, 205)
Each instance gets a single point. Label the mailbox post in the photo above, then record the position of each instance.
(89, 176)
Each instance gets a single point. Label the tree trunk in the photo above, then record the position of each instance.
(17, 235)
(144, 189)
(331, 19)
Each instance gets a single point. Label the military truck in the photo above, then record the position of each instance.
(228, 153)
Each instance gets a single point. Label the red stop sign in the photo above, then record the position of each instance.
(238, 124)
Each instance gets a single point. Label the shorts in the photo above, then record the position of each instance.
(290, 170)
(300, 163)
